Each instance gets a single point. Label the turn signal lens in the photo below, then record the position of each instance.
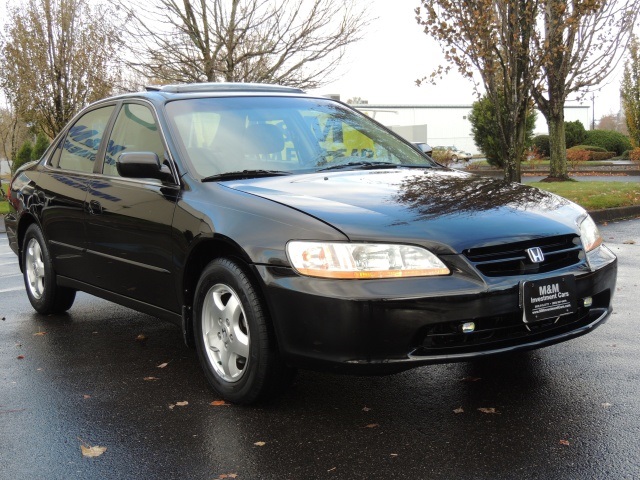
(363, 260)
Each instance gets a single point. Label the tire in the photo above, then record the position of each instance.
(45, 295)
(235, 344)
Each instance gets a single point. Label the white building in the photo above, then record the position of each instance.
(442, 125)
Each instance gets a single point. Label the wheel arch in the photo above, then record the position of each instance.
(203, 253)
(26, 220)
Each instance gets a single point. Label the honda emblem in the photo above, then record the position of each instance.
(535, 254)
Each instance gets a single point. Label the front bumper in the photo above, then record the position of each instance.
(381, 326)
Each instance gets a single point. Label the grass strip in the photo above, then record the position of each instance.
(595, 195)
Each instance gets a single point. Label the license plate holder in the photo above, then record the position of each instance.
(548, 298)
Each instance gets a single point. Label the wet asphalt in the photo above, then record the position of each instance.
(570, 411)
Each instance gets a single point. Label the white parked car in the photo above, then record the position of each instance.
(455, 153)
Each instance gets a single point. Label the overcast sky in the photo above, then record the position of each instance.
(383, 67)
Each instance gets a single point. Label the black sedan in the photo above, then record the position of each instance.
(281, 230)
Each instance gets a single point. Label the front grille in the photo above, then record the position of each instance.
(512, 259)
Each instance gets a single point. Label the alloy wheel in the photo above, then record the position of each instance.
(225, 333)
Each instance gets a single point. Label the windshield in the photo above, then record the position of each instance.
(281, 134)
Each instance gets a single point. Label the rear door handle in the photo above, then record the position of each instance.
(94, 207)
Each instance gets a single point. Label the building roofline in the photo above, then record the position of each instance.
(371, 106)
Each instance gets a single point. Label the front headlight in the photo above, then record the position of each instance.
(589, 234)
(363, 260)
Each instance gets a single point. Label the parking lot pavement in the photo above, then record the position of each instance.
(569, 411)
(10, 276)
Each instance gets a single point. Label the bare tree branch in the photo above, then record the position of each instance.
(292, 42)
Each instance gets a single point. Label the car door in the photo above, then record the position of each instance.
(62, 186)
(129, 220)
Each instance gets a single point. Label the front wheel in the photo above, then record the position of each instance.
(235, 344)
(45, 295)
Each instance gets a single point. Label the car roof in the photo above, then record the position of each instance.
(220, 87)
(159, 94)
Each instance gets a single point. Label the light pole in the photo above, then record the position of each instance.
(593, 111)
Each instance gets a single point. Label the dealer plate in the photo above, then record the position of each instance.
(548, 298)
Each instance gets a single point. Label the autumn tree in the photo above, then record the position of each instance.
(13, 133)
(492, 38)
(630, 92)
(613, 122)
(57, 56)
(290, 42)
(578, 44)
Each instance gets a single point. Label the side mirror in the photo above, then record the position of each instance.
(142, 165)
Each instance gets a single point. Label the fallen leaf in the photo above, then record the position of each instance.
(141, 338)
(218, 403)
(150, 379)
(94, 451)
(331, 469)
(15, 410)
(366, 409)
(86, 397)
(564, 442)
(182, 404)
(162, 365)
(39, 334)
(20, 357)
(172, 406)
(372, 425)
(260, 444)
(470, 379)
(606, 405)
(228, 475)
(458, 410)
(629, 242)
(490, 410)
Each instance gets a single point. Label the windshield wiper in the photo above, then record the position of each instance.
(365, 165)
(244, 174)
(362, 165)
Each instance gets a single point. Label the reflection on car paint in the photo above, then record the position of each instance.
(93, 188)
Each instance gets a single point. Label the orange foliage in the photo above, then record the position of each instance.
(577, 157)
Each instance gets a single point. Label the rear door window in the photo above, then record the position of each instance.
(80, 147)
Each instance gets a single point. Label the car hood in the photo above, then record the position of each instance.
(445, 210)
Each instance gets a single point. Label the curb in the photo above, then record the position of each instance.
(616, 213)
(579, 173)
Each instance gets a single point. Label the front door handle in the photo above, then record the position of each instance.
(94, 207)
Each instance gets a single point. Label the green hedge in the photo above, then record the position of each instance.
(588, 148)
(593, 153)
(609, 140)
(601, 155)
(541, 143)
